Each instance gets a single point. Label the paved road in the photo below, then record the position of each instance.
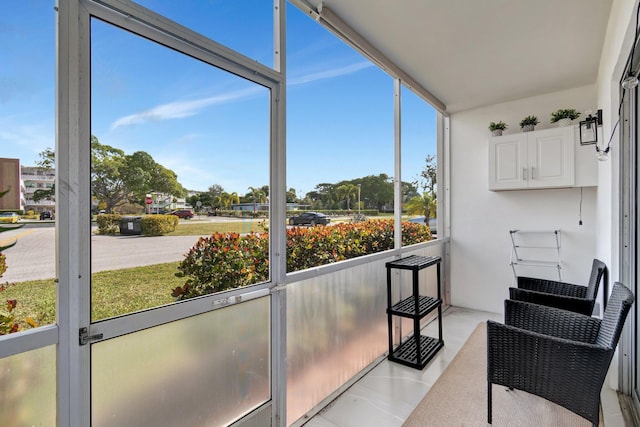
(33, 257)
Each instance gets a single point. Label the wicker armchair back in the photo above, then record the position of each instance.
(598, 270)
(577, 298)
(614, 316)
(556, 354)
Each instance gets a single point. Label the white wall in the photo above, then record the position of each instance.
(481, 219)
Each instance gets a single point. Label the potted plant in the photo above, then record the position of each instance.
(528, 123)
(564, 116)
(497, 128)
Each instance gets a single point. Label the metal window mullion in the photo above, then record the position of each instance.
(72, 222)
(278, 237)
(629, 216)
(397, 165)
(443, 179)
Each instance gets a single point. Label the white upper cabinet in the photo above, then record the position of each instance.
(540, 159)
(508, 162)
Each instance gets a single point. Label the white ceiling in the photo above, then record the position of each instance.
(470, 53)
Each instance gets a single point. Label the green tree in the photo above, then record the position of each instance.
(429, 199)
(47, 162)
(292, 197)
(423, 205)
(428, 176)
(224, 200)
(346, 192)
(256, 195)
(325, 196)
(377, 190)
(215, 190)
(204, 198)
(153, 177)
(117, 178)
(109, 180)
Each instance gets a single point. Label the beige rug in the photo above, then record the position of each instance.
(459, 397)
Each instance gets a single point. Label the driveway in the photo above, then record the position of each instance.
(33, 257)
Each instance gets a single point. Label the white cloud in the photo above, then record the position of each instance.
(180, 109)
(329, 74)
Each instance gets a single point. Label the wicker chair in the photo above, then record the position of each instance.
(556, 354)
(580, 299)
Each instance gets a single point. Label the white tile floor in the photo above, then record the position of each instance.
(386, 395)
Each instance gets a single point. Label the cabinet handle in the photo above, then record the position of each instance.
(533, 171)
(524, 174)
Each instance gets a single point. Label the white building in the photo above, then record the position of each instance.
(34, 178)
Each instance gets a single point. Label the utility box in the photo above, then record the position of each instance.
(131, 225)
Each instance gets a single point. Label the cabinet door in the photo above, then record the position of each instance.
(551, 158)
(508, 162)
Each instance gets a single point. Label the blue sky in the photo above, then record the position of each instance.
(208, 126)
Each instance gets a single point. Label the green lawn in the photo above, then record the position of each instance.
(197, 227)
(113, 293)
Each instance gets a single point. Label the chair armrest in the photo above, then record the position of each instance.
(552, 287)
(563, 371)
(551, 321)
(575, 304)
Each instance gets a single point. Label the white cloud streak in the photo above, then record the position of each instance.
(181, 109)
(329, 74)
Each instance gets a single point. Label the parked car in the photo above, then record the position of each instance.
(309, 218)
(182, 213)
(46, 215)
(9, 217)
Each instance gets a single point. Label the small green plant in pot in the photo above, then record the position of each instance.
(564, 116)
(528, 123)
(496, 128)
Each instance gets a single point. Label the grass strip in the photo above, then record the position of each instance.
(113, 293)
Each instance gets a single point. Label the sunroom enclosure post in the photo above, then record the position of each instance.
(397, 163)
(278, 229)
(72, 222)
(628, 217)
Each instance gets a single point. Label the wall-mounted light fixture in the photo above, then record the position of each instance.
(589, 128)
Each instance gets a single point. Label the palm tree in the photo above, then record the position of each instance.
(258, 196)
(345, 191)
(426, 205)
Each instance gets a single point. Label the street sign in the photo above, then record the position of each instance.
(148, 200)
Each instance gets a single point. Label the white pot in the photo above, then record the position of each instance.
(564, 122)
(497, 132)
(528, 128)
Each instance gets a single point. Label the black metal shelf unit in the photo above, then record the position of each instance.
(417, 350)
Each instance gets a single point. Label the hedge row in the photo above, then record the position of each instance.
(152, 225)
(228, 260)
(261, 213)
